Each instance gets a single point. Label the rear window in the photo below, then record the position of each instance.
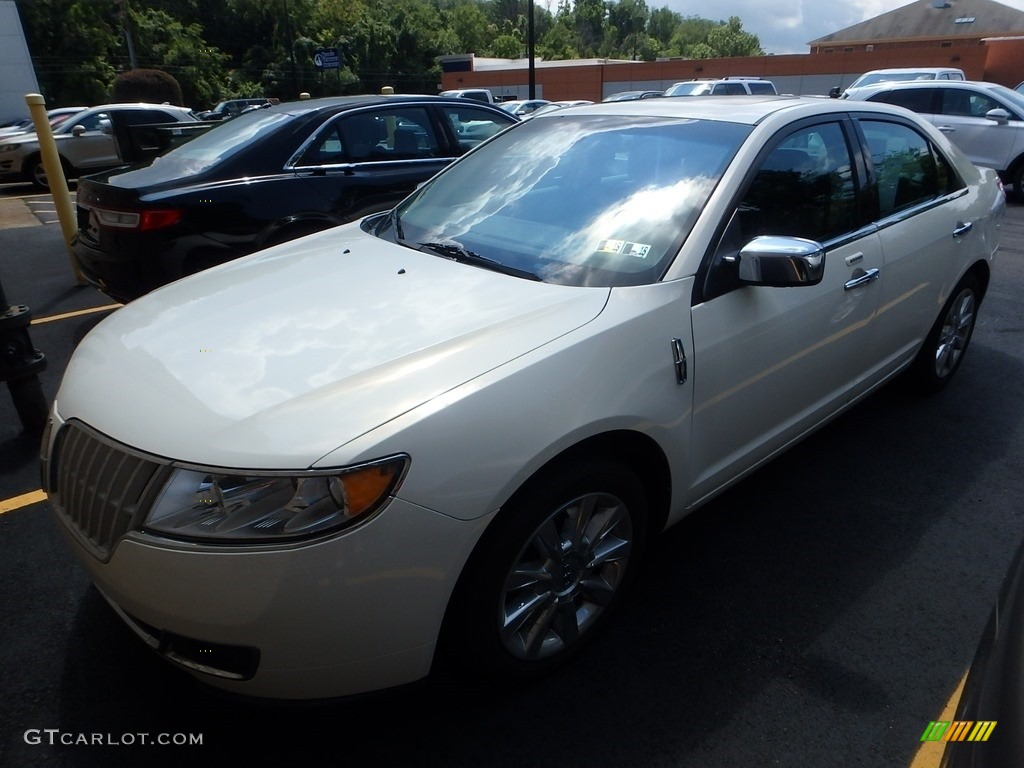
(762, 87)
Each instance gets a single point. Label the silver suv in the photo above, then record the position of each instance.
(985, 120)
(730, 86)
(85, 142)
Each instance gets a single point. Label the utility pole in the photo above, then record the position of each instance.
(529, 51)
(291, 48)
(126, 27)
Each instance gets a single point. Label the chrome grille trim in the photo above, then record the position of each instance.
(101, 489)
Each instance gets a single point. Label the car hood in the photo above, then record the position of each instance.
(277, 359)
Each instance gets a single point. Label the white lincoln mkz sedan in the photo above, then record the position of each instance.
(449, 431)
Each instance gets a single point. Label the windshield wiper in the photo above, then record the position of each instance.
(457, 252)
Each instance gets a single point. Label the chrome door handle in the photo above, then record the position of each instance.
(947, 129)
(867, 277)
(962, 229)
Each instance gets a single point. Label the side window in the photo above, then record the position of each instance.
(94, 122)
(958, 101)
(374, 136)
(144, 117)
(914, 99)
(805, 187)
(907, 169)
(471, 126)
(327, 149)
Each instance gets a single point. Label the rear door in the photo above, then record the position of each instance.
(924, 219)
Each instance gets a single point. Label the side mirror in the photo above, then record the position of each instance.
(78, 130)
(834, 91)
(781, 262)
(998, 115)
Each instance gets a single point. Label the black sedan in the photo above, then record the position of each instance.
(264, 178)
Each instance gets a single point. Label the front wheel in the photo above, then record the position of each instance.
(550, 570)
(33, 171)
(947, 342)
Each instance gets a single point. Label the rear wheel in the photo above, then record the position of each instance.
(549, 572)
(947, 342)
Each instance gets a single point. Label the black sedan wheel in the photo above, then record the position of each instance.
(548, 573)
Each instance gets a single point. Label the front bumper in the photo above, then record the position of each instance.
(356, 612)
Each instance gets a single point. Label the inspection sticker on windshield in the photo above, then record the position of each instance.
(639, 250)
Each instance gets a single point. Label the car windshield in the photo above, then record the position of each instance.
(689, 89)
(590, 200)
(219, 143)
(1016, 98)
(891, 77)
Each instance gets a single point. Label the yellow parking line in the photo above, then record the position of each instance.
(17, 502)
(930, 752)
(66, 315)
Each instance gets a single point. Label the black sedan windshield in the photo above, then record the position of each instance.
(580, 200)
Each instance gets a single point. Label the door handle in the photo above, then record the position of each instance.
(863, 279)
(962, 229)
(947, 129)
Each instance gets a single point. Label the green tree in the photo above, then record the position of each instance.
(163, 42)
(728, 39)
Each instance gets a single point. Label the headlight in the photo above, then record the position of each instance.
(218, 507)
(9, 147)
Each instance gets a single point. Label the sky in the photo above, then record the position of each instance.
(786, 26)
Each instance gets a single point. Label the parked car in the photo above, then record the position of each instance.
(230, 108)
(84, 142)
(1019, 88)
(899, 74)
(730, 86)
(556, 105)
(264, 178)
(477, 94)
(986, 730)
(523, 107)
(26, 125)
(985, 120)
(633, 95)
(449, 431)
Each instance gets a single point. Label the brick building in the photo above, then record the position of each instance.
(982, 37)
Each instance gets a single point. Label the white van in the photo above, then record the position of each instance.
(476, 94)
(899, 74)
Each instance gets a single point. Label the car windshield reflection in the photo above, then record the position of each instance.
(601, 201)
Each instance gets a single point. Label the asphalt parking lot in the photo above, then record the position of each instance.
(821, 613)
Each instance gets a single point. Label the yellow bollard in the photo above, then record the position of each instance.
(55, 176)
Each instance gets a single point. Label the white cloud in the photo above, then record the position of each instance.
(786, 26)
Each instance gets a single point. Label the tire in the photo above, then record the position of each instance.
(1018, 183)
(947, 342)
(34, 172)
(548, 572)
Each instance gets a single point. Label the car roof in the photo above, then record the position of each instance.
(904, 85)
(339, 103)
(901, 70)
(746, 110)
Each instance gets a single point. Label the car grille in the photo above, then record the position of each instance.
(100, 488)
